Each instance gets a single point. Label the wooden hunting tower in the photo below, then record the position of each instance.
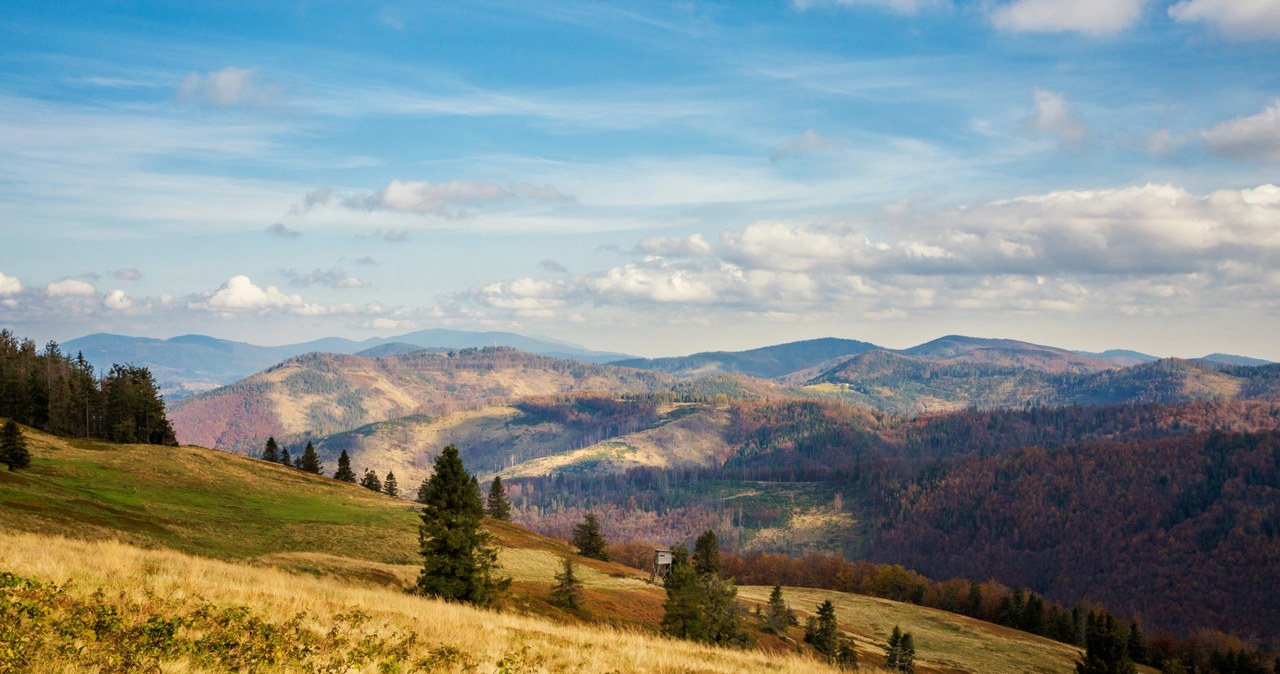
(661, 564)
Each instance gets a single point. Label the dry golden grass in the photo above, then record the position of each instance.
(180, 579)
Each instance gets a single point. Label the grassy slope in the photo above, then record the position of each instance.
(334, 546)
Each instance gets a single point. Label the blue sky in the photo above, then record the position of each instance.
(656, 178)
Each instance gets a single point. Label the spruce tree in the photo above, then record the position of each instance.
(389, 486)
(285, 459)
(1106, 647)
(588, 539)
(682, 615)
(344, 472)
(900, 654)
(497, 506)
(272, 451)
(778, 616)
(422, 491)
(458, 556)
(13, 447)
(567, 592)
(723, 615)
(310, 462)
(706, 554)
(1136, 645)
(822, 632)
(370, 481)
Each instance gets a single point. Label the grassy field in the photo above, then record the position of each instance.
(166, 530)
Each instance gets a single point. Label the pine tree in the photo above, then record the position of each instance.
(588, 539)
(846, 655)
(389, 485)
(285, 459)
(723, 615)
(778, 616)
(497, 506)
(1106, 647)
(422, 491)
(706, 554)
(822, 632)
(567, 592)
(13, 447)
(344, 472)
(1135, 644)
(370, 481)
(900, 654)
(310, 462)
(458, 557)
(682, 615)
(272, 451)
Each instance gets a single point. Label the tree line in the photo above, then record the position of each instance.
(54, 392)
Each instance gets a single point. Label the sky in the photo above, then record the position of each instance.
(656, 178)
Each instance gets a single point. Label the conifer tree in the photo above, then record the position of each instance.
(458, 557)
(588, 539)
(285, 459)
(389, 486)
(370, 481)
(723, 615)
(272, 451)
(778, 616)
(344, 472)
(821, 633)
(1106, 647)
(706, 554)
(422, 491)
(310, 462)
(567, 592)
(1136, 645)
(13, 447)
(497, 505)
(682, 615)
(900, 654)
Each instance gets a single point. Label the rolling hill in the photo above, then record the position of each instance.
(767, 362)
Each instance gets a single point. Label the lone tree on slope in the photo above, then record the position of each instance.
(588, 539)
(13, 447)
(370, 481)
(389, 486)
(497, 505)
(285, 459)
(310, 462)
(567, 592)
(272, 451)
(458, 557)
(344, 472)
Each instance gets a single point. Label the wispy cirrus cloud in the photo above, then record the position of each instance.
(1236, 19)
(1090, 17)
(431, 198)
(230, 87)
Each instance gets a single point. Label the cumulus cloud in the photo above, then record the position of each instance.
(1053, 117)
(809, 142)
(1237, 19)
(1090, 17)
(116, 300)
(9, 285)
(227, 88)
(69, 288)
(1256, 137)
(1133, 248)
(239, 294)
(334, 277)
(281, 230)
(901, 6)
(127, 274)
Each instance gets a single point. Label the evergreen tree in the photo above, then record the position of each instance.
(1135, 644)
(682, 615)
(285, 458)
(723, 615)
(1106, 647)
(13, 447)
(778, 616)
(389, 486)
(310, 462)
(422, 491)
(497, 505)
(588, 539)
(822, 633)
(567, 592)
(344, 472)
(271, 452)
(846, 655)
(370, 481)
(900, 653)
(458, 557)
(132, 409)
(706, 554)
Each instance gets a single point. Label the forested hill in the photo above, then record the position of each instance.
(766, 362)
(321, 394)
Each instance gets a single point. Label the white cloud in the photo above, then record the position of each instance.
(9, 285)
(240, 294)
(1239, 19)
(1255, 137)
(116, 300)
(1091, 17)
(1053, 117)
(902, 6)
(227, 88)
(421, 196)
(809, 142)
(69, 288)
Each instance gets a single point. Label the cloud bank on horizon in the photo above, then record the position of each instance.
(652, 178)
